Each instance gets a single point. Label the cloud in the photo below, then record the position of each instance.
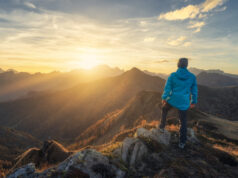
(211, 4)
(30, 5)
(189, 11)
(149, 39)
(192, 11)
(187, 44)
(221, 9)
(14, 5)
(162, 61)
(196, 25)
(177, 41)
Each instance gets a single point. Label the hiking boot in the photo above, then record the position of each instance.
(181, 145)
(161, 130)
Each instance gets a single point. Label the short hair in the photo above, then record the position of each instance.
(183, 62)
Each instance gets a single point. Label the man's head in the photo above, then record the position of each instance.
(183, 63)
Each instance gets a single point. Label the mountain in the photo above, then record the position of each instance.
(161, 75)
(139, 150)
(1, 70)
(18, 84)
(63, 115)
(197, 71)
(125, 143)
(222, 102)
(143, 109)
(216, 80)
(101, 114)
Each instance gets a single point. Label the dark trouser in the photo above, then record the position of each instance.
(183, 121)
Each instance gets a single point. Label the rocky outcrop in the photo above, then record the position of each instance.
(90, 163)
(24, 171)
(154, 135)
(51, 153)
(148, 154)
(133, 150)
(85, 164)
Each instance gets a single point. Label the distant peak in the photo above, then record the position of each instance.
(134, 69)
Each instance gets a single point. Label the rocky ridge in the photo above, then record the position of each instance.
(148, 153)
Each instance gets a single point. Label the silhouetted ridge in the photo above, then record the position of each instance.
(216, 80)
(134, 72)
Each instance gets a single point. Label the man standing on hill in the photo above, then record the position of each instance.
(179, 88)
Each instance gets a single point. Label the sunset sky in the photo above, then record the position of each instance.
(47, 35)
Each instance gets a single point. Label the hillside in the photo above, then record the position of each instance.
(143, 109)
(216, 80)
(222, 102)
(197, 71)
(125, 150)
(65, 114)
(13, 142)
(108, 110)
(146, 152)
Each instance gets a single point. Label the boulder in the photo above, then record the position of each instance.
(84, 164)
(133, 150)
(191, 137)
(26, 171)
(154, 139)
(51, 153)
(92, 163)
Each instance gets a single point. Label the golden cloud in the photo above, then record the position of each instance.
(192, 11)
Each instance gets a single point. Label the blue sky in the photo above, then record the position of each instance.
(46, 35)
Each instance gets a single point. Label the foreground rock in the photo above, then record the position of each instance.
(148, 154)
(87, 163)
(24, 171)
(51, 153)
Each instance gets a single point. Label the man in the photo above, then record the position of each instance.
(180, 87)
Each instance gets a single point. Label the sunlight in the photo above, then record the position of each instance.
(89, 61)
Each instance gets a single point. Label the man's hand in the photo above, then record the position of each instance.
(164, 102)
(192, 106)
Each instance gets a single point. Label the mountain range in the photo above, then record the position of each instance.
(216, 80)
(101, 112)
(18, 84)
(197, 71)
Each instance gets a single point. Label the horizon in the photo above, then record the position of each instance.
(105, 65)
(46, 36)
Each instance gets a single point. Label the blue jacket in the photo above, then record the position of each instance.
(179, 88)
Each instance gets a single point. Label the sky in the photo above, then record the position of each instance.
(48, 35)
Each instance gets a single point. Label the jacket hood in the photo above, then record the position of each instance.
(182, 73)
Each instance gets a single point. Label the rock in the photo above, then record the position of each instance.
(138, 152)
(51, 153)
(164, 138)
(132, 151)
(191, 137)
(127, 146)
(92, 163)
(26, 171)
(84, 164)
(154, 138)
(150, 165)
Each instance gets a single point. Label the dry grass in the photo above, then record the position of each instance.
(231, 149)
(172, 128)
(110, 148)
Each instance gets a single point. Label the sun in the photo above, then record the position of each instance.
(89, 61)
